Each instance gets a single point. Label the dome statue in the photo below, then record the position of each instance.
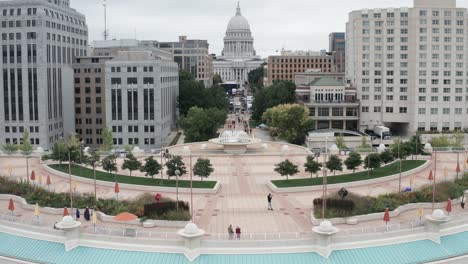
(238, 22)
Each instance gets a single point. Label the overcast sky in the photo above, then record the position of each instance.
(275, 24)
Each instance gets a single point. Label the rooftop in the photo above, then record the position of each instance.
(326, 81)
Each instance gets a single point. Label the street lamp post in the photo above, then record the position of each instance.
(324, 178)
(70, 180)
(399, 160)
(27, 169)
(188, 153)
(434, 181)
(177, 173)
(81, 162)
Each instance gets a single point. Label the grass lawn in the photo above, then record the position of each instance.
(104, 176)
(388, 170)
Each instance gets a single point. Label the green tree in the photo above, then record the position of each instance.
(174, 164)
(289, 122)
(59, 151)
(416, 145)
(109, 164)
(400, 149)
(256, 78)
(26, 147)
(131, 163)
(286, 168)
(312, 166)
(107, 140)
(440, 142)
(387, 156)
(202, 124)
(340, 142)
(334, 164)
(364, 144)
(372, 161)
(193, 93)
(217, 79)
(151, 167)
(353, 161)
(281, 92)
(203, 168)
(459, 139)
(9, 148)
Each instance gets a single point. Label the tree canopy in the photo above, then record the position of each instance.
(131, 163)
(353, 161)
(203, 168)
(256, 78)
(151, 167)
(312, 166)
(174, 164)
(334, 164)
(289, 122)
(193, 93)
(109, 164)
(107, 140)
(372, 161)
(202, 124)
(281, 92)
(26, 146)
(286, 168)
(387, 156)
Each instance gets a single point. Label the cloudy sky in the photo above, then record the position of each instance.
(275, 24)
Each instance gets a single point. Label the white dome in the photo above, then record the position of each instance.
(438, 215)
(191, 229)
(238, 22)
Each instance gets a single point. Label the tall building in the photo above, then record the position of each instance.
(191, 54)
(337, 45)
(409, 65)
(39, 42)
(288, 64)
(238, 57)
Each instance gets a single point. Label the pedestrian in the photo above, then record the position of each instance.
(238, 232)
(55, 225)
(230, 232)
(269, 198)
(86, 214)
(78, 214)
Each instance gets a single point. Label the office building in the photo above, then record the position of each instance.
(337, 46)
(39, 40)
(409, 66)
(191, 54)
(286, 65)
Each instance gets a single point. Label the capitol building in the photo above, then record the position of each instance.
(238, 57)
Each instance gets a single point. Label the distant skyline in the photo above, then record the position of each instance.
(292, 25)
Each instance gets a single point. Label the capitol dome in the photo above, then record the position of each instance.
(238, 22)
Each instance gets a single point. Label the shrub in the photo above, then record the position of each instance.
(159, 209)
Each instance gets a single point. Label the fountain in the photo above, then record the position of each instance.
(235, 141)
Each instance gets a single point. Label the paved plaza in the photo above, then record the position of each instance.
(241, 200)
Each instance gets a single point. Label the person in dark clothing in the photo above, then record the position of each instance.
(86, 214)
(269, 198)
(238, 232)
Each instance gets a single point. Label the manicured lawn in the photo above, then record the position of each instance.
(391, 169)
(104, 176)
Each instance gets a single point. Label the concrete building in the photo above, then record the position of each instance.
(310, 75)
(337, 45)
(332, 104)
(288, 64)
(238, 57)
(89, 99)
(409, 66)
(141, 92)
(39, 40)
(112, 48)
(191, 54)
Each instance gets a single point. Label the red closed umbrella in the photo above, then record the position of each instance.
(48, 182)
(65, 211)
(11, 205)
(117, 189)
(33, 176)
(157, 197)
(431, 177)
(448, 208)
(386, 217)
(458, 169)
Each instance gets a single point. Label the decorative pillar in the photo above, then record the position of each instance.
(72, 232)
(433, 222)
(192, 236)
(325, 233)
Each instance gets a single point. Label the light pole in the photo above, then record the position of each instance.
(177, 173)
(188, 153)
(434, 181)
(27, 168)
(324, 178)
(399, 160)
(81, 149)
(70, 180)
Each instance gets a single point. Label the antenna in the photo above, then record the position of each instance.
(106, 33)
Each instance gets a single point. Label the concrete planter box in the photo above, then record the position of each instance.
(353, 220)
(143, 188)
(346, 184)
(101, 216)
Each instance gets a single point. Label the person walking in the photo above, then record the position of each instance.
(238, 232)
(86, 214)
(230, 232)
(78, 214)
(269, 198)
